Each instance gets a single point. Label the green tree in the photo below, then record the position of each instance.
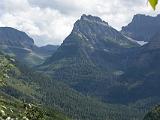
(32, 112)
(5, 67)
(154, 114)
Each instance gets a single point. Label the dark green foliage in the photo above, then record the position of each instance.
(13, 108)
(76, 105)
(14, 89)
(154, 114)
(31, 87)
(33, 112)
(5, 67)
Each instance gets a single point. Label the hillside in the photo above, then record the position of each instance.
(13, 108)
(25, 85)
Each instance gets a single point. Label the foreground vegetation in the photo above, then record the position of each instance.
(13, 108)
(23, 87)
(154, 114)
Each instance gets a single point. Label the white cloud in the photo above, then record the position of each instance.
(50, 21)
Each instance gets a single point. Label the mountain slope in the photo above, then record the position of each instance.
(142, 27)
(26, 85)
(141, 78)
(93, 61)
(13, 108)
(90, 57)
(20, 45)
(100, 62)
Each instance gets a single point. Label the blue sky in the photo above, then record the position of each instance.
(51, 21)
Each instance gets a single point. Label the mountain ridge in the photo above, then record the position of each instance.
(142, 27)
(22, 47)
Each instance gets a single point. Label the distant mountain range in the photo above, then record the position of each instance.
(97, 73)
(20, 45)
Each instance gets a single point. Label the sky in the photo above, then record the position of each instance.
(51, 21)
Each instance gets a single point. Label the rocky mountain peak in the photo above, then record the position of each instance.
(91, 18)
(99, 34)
(89, 21)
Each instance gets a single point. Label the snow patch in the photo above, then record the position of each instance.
(137, 41)
(106, 50)
(141, 42)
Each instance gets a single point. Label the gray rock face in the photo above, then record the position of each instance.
(92, 37)
(99, 34)
(142, 27)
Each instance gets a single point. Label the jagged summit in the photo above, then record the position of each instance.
(92, 19)
(90, 40)
(89, 19)
(99, 34)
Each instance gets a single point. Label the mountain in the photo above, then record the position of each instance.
(13, 37)
(96, 74)
(89, 57)
(142, 27)
(99, 34)
(27, 85)
(20, 45)
(93, 61)
(154, 114)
